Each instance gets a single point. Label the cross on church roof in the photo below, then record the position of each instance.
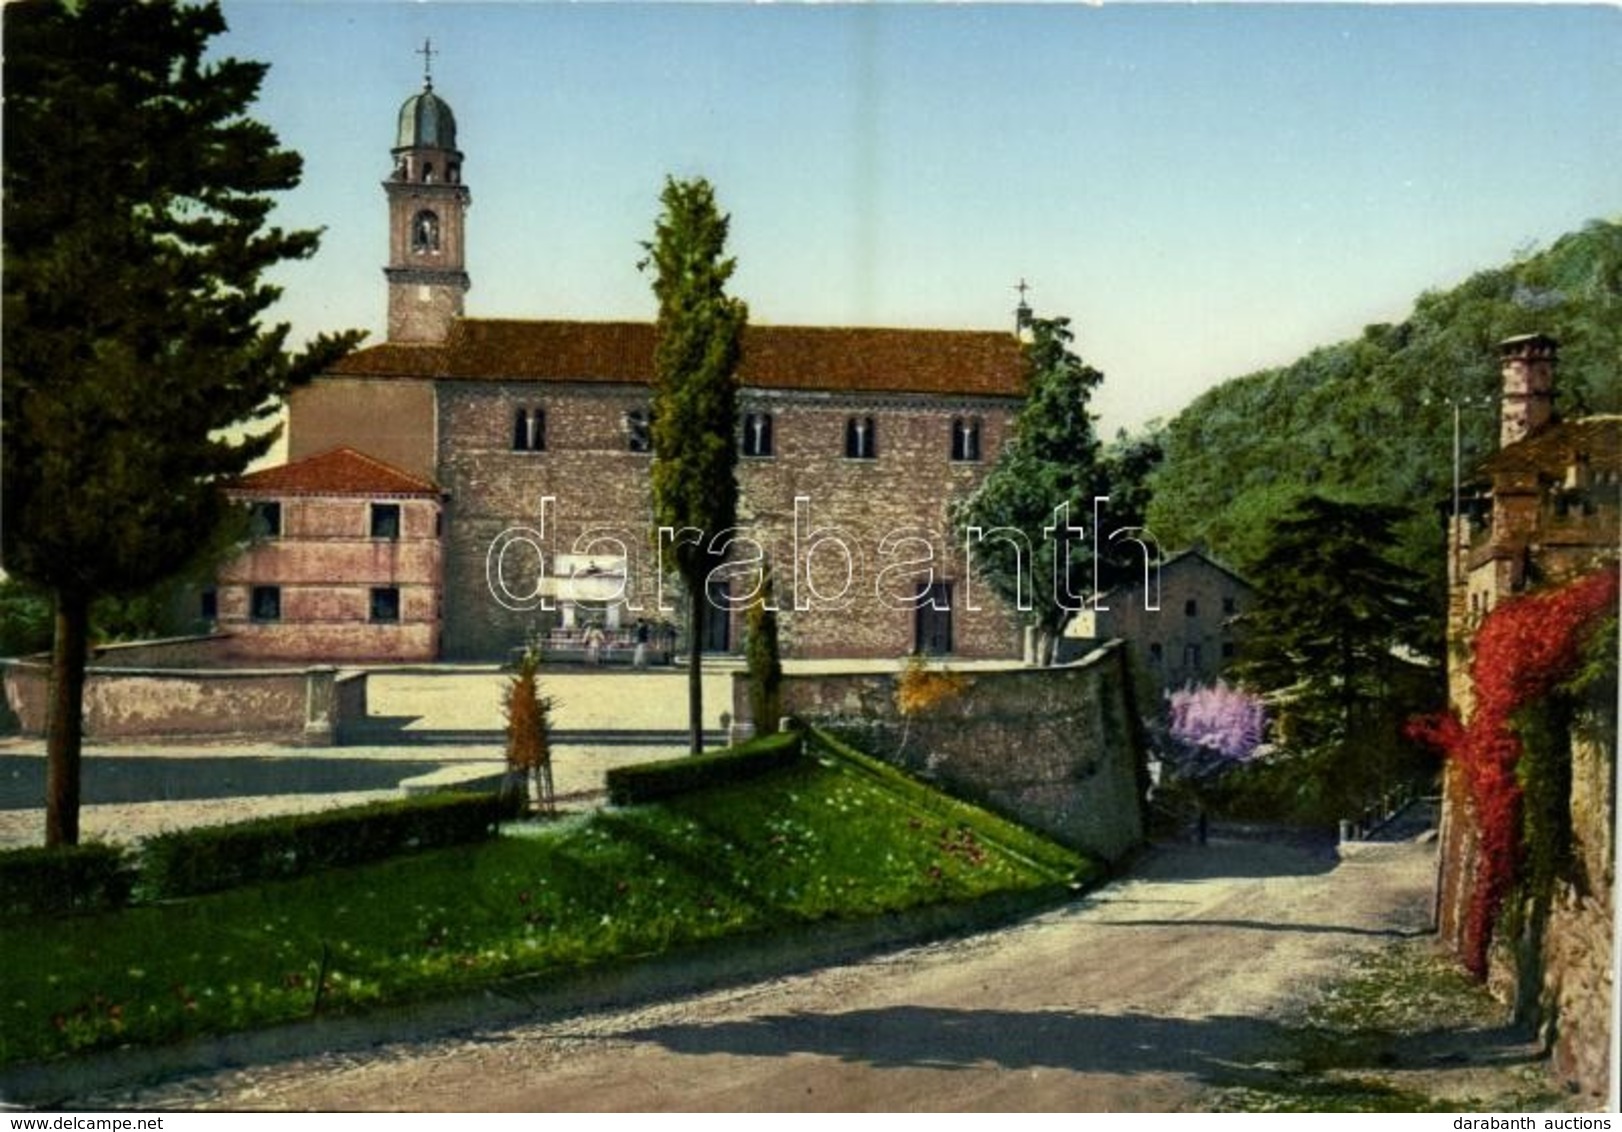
(1022, 288)
(427, 52)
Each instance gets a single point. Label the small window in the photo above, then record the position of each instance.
(265, 604)
(208, 606)
(757, 434)
(965, 439)
(638, 435)
(529, 430)
(1191, 656)
(1229, 606)
(860, 441)
(1191, 607)
(265, 519)
(386, 520)
(1156, 653)
(425, 232)
(386, 604)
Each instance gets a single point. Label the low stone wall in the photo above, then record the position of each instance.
(1564, 984)
(203, 651)
(1057, 749)
(306, 706)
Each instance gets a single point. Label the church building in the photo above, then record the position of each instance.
(520, 450)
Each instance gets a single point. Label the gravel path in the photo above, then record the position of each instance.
(1134, 999)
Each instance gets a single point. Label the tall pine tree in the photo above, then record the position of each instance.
(137, 201)
(695, 401)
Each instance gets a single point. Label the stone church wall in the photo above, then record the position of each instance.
(599, 487)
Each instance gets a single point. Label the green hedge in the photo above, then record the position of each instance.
(68, 878)
(210, 859)
(647, 782)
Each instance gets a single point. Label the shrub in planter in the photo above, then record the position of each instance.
(647, 782)
(210, 859)
(64, 878)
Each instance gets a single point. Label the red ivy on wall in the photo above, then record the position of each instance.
(1525, 648)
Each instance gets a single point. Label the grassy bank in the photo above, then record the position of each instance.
(826, 838)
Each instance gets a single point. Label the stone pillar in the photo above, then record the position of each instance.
(320, 706)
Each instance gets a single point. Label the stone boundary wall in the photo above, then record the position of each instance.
(1057, 749)
(203, 651)
(1567, 986)
(309, 707)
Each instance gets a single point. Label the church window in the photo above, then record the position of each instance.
(425, 232)
(385, 605)
(265, 519)
(1191, 608)
(529, 430)
(428, 172)
(860, 439)
(386, 520)
(265, 603)
(966, 439)
(757, 434)
(638, 434)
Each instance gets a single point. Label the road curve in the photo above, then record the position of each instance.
(1129, 1000)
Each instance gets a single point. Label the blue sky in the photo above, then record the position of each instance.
(1203, 189)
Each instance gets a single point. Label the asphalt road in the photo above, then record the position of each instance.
(1137, 998)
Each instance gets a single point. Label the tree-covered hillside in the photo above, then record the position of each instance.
(1370, 419)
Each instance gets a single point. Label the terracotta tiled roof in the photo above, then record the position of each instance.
(341, 471)
(1551, 450)
(833, 359)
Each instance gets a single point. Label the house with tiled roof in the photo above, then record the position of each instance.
(1542, 511)
(853, 444)
(343, 564)
(1183, 623)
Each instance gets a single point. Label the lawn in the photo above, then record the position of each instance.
(827, 838)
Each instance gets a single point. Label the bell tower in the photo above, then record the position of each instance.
(427, 209)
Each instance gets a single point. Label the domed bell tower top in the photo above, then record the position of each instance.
(427, 211)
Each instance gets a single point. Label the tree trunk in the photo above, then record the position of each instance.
(65, 726)
(695, 667)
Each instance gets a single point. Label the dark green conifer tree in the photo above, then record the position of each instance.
(137, 230)
(695, 402)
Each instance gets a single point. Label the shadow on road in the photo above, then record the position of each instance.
(119, 779)
(939, 1038)
(1221, 1049)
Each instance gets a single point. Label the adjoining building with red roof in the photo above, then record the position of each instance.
(528, 445)
(344, 564)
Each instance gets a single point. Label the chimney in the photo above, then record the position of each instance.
(1528, 367)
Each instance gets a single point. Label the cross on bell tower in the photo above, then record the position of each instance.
(428, 206)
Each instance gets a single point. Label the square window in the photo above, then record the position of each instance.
(1229, 606)
(386, 520)
(265, 518)
(265, 603)
(386, 604)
